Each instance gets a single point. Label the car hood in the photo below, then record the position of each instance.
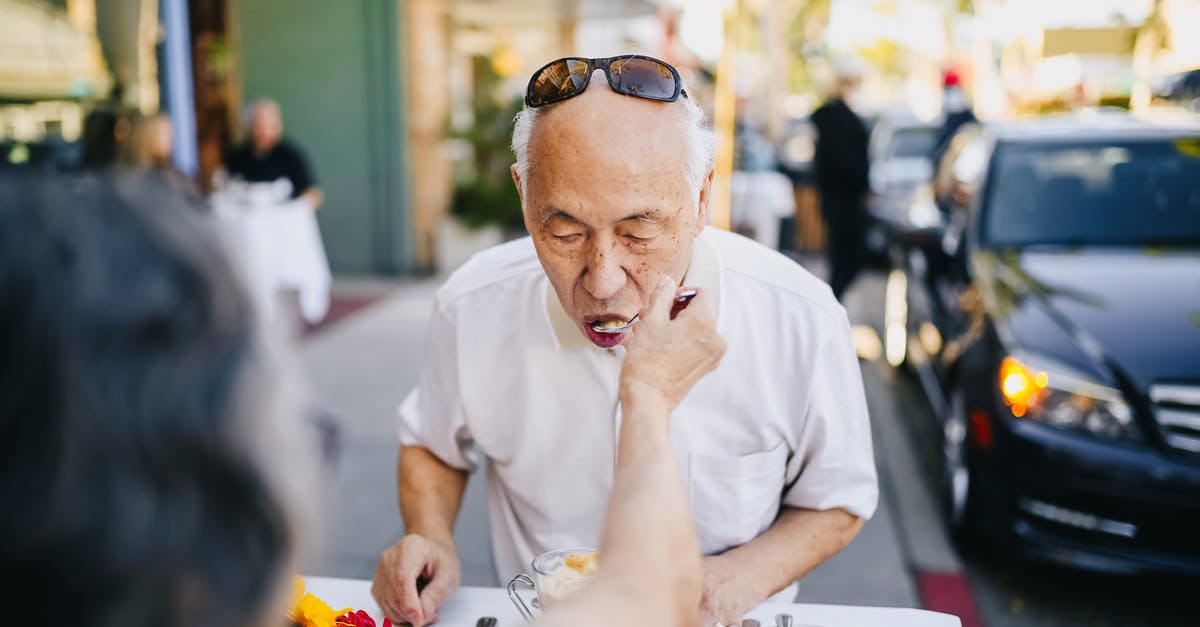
(1137, 310)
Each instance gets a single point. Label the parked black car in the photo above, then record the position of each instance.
(1055, 327)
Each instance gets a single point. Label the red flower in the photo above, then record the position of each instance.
(359, 619)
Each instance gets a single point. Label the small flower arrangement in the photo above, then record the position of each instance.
(310, 611)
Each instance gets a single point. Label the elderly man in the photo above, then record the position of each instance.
(522, 363)
(266, 156)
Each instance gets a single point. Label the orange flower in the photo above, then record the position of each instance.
(313, 612)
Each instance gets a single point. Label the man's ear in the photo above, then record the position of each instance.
(516, 177)
(705, 201)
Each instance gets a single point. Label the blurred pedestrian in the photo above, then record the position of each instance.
(104, 128)
(842, 176)
(266, 156)
(148, 149)
(956, 112)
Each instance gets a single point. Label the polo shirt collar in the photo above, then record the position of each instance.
(704, 272)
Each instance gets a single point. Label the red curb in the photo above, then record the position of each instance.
(949, 593)
(340, 308)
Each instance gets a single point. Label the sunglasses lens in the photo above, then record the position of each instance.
(644, 78)
(559, 81)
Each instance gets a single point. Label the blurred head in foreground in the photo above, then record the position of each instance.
(146, 471)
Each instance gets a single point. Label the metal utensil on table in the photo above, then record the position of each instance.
(681, 301)
(783, 620)
(486, 621)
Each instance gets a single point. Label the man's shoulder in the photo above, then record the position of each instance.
(498, 267)
(745, 260)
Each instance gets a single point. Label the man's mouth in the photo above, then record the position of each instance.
(601, 330)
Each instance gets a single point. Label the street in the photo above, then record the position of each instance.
(362, 366)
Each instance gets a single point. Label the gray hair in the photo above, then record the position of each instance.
(251, 109)
(698, 158)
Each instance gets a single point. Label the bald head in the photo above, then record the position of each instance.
(620, 128)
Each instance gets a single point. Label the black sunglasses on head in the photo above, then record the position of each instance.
(630, 74)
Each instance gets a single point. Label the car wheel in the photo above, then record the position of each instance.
(961, 485)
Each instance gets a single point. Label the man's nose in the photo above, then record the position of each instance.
(604, 275)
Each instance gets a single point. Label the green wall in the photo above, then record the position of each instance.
(334, 67)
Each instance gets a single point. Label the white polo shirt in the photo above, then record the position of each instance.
(509, 381)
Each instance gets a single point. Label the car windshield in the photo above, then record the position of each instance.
(1114, 193)
(912, 142)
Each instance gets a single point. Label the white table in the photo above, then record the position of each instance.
(468, 604)
(276, 246)
(758, 201)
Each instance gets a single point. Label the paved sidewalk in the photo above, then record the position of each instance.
(361, 367)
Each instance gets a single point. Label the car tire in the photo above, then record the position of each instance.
(961, 484)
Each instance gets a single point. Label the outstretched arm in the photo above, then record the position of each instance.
(650, 556)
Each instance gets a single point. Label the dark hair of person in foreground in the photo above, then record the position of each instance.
(130, 390)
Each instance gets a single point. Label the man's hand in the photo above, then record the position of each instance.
(725, 598)
(665, 357)
(414, 576)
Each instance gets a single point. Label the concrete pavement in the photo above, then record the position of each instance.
(361, 367)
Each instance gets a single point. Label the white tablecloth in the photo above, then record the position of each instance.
(277, 246)
(757, 201)
(468, 604)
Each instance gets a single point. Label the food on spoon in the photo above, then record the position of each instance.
(608, 325)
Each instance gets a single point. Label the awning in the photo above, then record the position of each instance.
(42, 57)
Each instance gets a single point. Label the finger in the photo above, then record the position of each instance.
(409, 567)
(435, 592)
(661, 298)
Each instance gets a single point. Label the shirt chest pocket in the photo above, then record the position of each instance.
(735, 497)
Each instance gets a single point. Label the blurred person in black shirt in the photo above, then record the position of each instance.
(841, 169)
(266, 156)
(104, 129)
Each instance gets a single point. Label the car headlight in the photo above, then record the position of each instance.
(1058, 395)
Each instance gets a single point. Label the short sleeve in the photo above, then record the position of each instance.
(432, 415)
(835, 464)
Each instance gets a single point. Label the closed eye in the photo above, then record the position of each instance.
(568, 238)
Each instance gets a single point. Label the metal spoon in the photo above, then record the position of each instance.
(783, 620)
(681, 301)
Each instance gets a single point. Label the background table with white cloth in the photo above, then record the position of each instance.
(467, 605)
(758, 200)
(275, 243)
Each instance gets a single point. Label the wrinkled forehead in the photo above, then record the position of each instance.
(601, 130)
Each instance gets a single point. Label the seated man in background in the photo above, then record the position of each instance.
(154, 452)
(266, 156)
